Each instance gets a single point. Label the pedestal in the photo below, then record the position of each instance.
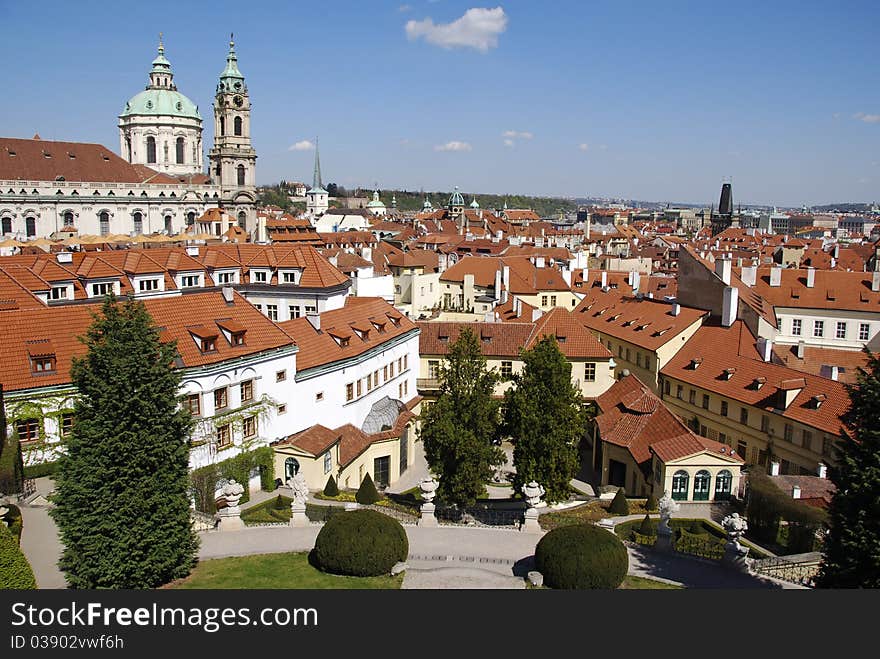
(736, 558)
(230, 519)
(664, 542)
(427, 517)
(298, 515)
(530, 523)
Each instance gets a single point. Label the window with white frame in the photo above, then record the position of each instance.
(101, 289)
(260, 276)
(818, 328)
(796, 325)
(58, 293)
(189, 281)
(272, 311)
(327, 462)
(225, 278)
(864, 331)
(148, 285)
(841, 330)
(590, 372)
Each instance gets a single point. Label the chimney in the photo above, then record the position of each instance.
(517, 306)
(227, 294)
(604, 279)
(723, 268)
(64, 257)
(676, 309)
(498, 284)
(636, 280)
(315, 320)
(192, 250)
(800, 349)
(774, 468)
(499, 235)
(875, 281)
(795, 491)
(776, 275)
(836, 250)
(822, 470)
(765, 348)
(835, 373)
(729, 306)
(749, 275)
(539, 262)
(334, 260)
(536, 313)
(811, 277)
(566, 275)
(367, 253)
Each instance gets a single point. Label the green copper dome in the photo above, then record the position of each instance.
(376, 203)
(456, 199)
(166, 102)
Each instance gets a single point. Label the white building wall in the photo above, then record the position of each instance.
(831, 317)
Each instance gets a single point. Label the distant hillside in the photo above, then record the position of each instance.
(848, 207)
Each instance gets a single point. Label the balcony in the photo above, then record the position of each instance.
(428, 384)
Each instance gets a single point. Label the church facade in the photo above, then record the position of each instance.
(157, 182)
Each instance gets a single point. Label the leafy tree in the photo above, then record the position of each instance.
(545, 418)
(367, 493)
(852, 551)
(332, 190)
(122, 499)
(460, 429)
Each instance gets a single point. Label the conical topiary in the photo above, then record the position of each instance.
(647, 527)
(279, 503)
(367, 493)
(619, 505)
(652, 504)
(330, 489)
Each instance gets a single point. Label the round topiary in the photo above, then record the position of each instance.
(330, 489)
(581, 557)
(652, 504)
(361, 543)
(647, 527)
(367, 493)
(619, 504)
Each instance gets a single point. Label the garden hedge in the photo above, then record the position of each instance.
(15, 571)
(204, 479)
(40, 470)
(360, 543)
(581, 557)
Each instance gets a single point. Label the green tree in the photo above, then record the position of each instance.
(545, 418)
(852, 551)
(122, 489)
(460, 429)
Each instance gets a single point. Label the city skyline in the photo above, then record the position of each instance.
(654, 104)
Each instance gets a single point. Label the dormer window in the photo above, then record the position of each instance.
(42, 356)
(341, 336)
(209, 345)
(695, 363)
(757, 383)
(233, 330)
(818, 399)
(728, 373)
(260, 276)
(205, 338)
(395, 320)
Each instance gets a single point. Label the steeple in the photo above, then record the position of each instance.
(316, 175)
(231, 79)
(161, 75)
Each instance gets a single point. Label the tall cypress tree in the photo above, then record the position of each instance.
(122, 502)
(852, 551)
(545, 417)
(459, 429)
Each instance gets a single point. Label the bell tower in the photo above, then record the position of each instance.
(233, 159)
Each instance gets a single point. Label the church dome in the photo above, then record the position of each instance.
(456, 199)
(164, 102)
(376, 203)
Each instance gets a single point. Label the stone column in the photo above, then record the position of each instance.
(428, 488)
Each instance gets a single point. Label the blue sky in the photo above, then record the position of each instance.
(647, 100)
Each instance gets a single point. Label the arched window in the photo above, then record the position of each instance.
(31, 226)
(179, 151)
(223, 125)
(680, 485)
(151, 150)
(242, 219)
(190, 218)
(104, 221)
(701, 485)
(7, 225)
(723, 485)
(241, 174)
(237, 125)
(138, 223)
(291, 468)
(168, 224)
(68, 219)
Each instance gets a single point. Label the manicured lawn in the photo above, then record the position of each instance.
(590, 512)
(642, 583)
(277, 571)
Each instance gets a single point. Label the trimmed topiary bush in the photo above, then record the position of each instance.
(279, 503)
(619, 505)
(360, 543)
(652, 503)
(367, 492)
(330, 489)
(15, 571)
(647, 527)
(581, 557)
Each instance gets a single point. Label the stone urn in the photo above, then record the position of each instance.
(532, 492)
(428, 489)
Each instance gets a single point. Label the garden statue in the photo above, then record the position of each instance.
(300, 488)
(428, 489)
(667, 506)
(735, 527)
(230, 514)
(532, 493)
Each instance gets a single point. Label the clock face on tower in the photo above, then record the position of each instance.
(238, 101)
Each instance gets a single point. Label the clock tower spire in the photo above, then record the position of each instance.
(233, 159)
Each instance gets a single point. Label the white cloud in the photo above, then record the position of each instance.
(513, 134)
(478, 28)
(584, 146)
(305, 145)
(509, 142)
(868, 118)
(453, 146)
(836, 115)
(403, 8)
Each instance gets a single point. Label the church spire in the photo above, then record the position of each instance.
(316, 176)
(161, 74)
(231, 79)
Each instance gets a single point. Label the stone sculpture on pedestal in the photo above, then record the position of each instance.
(735, 554)
(532, 493)
(428, 489)
(298, 505)
(230, 514)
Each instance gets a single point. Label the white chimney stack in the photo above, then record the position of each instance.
(765, 348)
(227, 294)
(192, 250)
(835, 373)
(795, 491)
(676, 309)
(729, 306)
(604, 278)
(723, 268)
(811, 277)
(776, 275)
(498, 284)
(822, 470)
(64, 257)
(801, 346)
(367, 253)
(315, 320)
(749, 275)
(875, 281)
(539, 262)
(774, 468)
